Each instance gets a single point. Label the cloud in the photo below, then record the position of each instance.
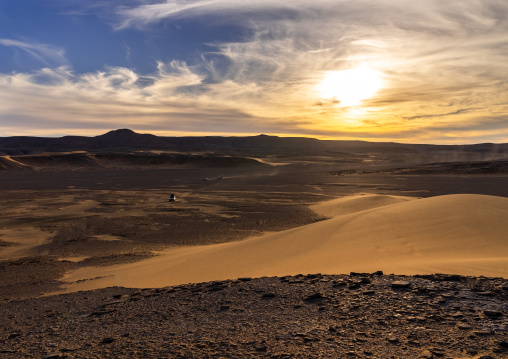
(167, 102)
(144, 14)
(444, 64)
(127, 51)
(454, 113)
(48, 55)
(115, 97)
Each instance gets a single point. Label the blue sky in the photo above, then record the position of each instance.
(380, 70)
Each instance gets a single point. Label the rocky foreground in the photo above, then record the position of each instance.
(328, 316)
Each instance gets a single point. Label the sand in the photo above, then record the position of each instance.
(460, 234)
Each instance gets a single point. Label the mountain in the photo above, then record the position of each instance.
(125, 140)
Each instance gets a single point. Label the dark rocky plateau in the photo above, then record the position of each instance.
(128, 142)
(303, 316)
(85, 160)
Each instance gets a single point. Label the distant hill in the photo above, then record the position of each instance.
(125, 140)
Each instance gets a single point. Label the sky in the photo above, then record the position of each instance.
(428, 71)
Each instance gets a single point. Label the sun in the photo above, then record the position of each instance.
(350, 87)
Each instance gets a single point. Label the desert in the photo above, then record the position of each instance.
(279, 248)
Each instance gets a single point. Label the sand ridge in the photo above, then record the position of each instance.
(463, 234)
(356, 203)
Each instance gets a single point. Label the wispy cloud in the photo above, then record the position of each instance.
(147, 13)
(454, 113)
(48, 55)
(115, 96)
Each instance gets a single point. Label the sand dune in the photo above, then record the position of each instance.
(462, 234)
(351, 204)
(7, 162)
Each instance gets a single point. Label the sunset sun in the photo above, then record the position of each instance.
(350, 87)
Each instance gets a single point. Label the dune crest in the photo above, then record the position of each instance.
(462, 234)
(356, 203)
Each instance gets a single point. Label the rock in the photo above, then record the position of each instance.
(401, 284)
(503, 344)
(108, 340)
(52, 356)
(392, 338)
(65, 350)
(463, 326)
(486, 294)
(268, 295)
(437, 352)
(296, 281)
(492, 313)
(426, 354)
(355, 285)
(313, 276)
(355, 274)
(339, 283)
(314, 297)
(102, 312)
(482, 333)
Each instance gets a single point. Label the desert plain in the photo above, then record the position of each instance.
(369, 255)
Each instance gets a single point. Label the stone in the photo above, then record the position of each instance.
(492, 313)
(314, 297)
(392, 338)
(463, 326)
(52, 356)
(486, 294)
(401, 284)
(482, 333)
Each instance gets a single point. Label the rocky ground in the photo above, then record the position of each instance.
(326, 316)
